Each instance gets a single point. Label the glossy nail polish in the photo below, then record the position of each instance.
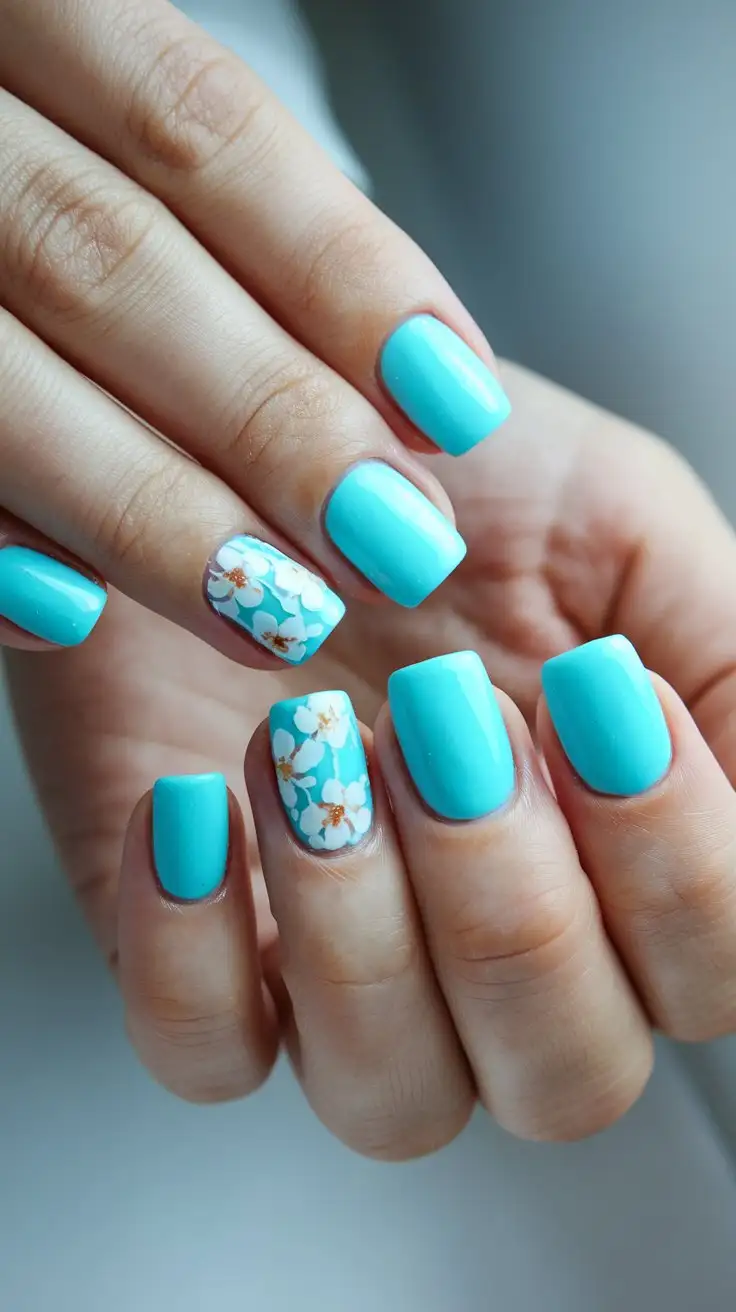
(442, 385)
(392, 533)
(321, 770)
(285, 607)
(191, 828)
(608, 717)
(452, 735)
(47, 598)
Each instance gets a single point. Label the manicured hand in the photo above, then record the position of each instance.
(510, 930)
(219, 362)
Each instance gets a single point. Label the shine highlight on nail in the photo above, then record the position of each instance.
(321, 770)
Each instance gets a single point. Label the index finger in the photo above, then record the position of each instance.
(194, 125)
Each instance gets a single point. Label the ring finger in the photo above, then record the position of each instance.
(550, 1024)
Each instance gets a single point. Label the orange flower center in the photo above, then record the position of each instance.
(335, 814)
(237, 576)
(278, 641)
(325, 719)
(284, 768)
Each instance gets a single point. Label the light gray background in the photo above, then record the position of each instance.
(570, 165)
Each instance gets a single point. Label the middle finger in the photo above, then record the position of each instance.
(107, 275)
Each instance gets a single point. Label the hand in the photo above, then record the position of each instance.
(577, 525)
(271, 353)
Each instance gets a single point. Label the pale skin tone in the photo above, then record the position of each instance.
(523, 959)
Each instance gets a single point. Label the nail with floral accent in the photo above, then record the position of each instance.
(321, 769)
(285, 607)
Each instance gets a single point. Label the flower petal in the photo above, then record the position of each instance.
(282, 744)
(305, 720)
(219, 587)
(229, 557)
(313, 597)
(337, 836)
(293, 628)
(355, 796)
(254, 564)
(309, 754)
(333, 792)
(311, 819)
(288, 792)
(250, 596)
(361, 820)
(262, 623)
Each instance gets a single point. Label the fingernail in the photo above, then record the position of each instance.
(321, 770)
(390, 531)
(285, 607)
(46, 598)
(608, 717)
(452, 735)
(441, 385)
(191, 826)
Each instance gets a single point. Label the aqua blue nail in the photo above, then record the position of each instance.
(391, 533)
(191, 827)
(452, 735)
(441, 385)
(608, 717)
(46, 598)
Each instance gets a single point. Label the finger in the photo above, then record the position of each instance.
(47, 598)
(369, 1032)
(549, 1022)
(654, 819)
(188, 957)
(106, 275)
(152, 522)
(196, 127)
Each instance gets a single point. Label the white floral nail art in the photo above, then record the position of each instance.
(321, 770)
(285, 607)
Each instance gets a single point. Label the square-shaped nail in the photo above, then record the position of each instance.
(321, 769)
(47, 598)
(191, 827)
(392, 533)
(285, 607)
(608, 717)
(442, 385)
(452, 735)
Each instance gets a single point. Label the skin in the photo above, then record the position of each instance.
(574, 522)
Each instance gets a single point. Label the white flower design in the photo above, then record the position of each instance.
(235, 579)
(340, 819)
(286, 639)
(292, 762)
(326, 717)
(297, 587)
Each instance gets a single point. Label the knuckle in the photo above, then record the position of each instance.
(287, 403)
(193, 100)
(149, 493)
(341, 257)
(69, 237)
(498, 955)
